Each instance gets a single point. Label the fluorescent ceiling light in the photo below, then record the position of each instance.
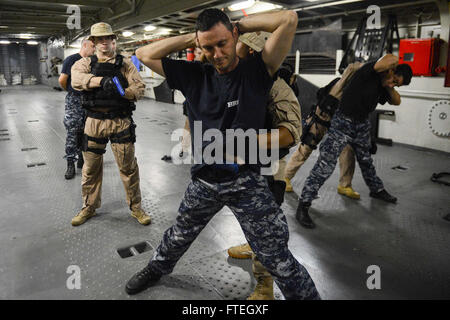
(127, 33)
(165, 31)
(241, 5)
(5, 42)
(334, 3)
(149, 28)
(32, 42)
(25, 36)
(263, 6)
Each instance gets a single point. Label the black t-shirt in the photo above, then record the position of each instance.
(235, 100)
(363, 93)
(67, 66)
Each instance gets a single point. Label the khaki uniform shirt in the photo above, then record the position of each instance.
(81, 77)
(284, 109)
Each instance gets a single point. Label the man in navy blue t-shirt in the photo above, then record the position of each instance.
(372, 84)
(74, 113)
(227, 94)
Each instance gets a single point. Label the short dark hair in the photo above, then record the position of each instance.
(208, 18)
(405, 71)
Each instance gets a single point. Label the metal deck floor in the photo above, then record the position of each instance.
(409, 241)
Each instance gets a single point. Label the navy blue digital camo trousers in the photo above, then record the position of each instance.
(343, 131)
(74, 124)
(261, 219)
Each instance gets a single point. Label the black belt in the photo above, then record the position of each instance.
(220, 173)
(107, 115)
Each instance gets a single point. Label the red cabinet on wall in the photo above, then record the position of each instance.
(422, 55)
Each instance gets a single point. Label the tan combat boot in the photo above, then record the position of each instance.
(82, 216)
(242, 251)
(263, 289)
(141, 216)
(349, 192)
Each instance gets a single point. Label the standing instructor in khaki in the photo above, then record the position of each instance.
(108, 119)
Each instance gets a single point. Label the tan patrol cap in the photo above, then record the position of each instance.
(255, 40)
(101, 29)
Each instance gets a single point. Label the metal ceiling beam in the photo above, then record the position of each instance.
(34, 32)
(131, 9)
(53, 24)
(4, 18)
(357, 11)
(28, 12)
(28, 28)
(38, 21)
(167, 19)
(156, 9)
(315, 5)
(146, 11)
(285, 5)
(87, 3)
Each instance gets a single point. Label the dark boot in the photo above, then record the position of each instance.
(80, 161)
(383, 195)
(303, 217)
(141, 281)
(70, 173)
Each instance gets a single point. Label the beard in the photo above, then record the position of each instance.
(221, 64)
(224, 63)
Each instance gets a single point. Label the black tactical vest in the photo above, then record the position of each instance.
(100, 98)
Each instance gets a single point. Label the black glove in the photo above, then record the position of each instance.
(373, 147)
(108, 85)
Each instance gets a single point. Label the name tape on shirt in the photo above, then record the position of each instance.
(232, 103)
